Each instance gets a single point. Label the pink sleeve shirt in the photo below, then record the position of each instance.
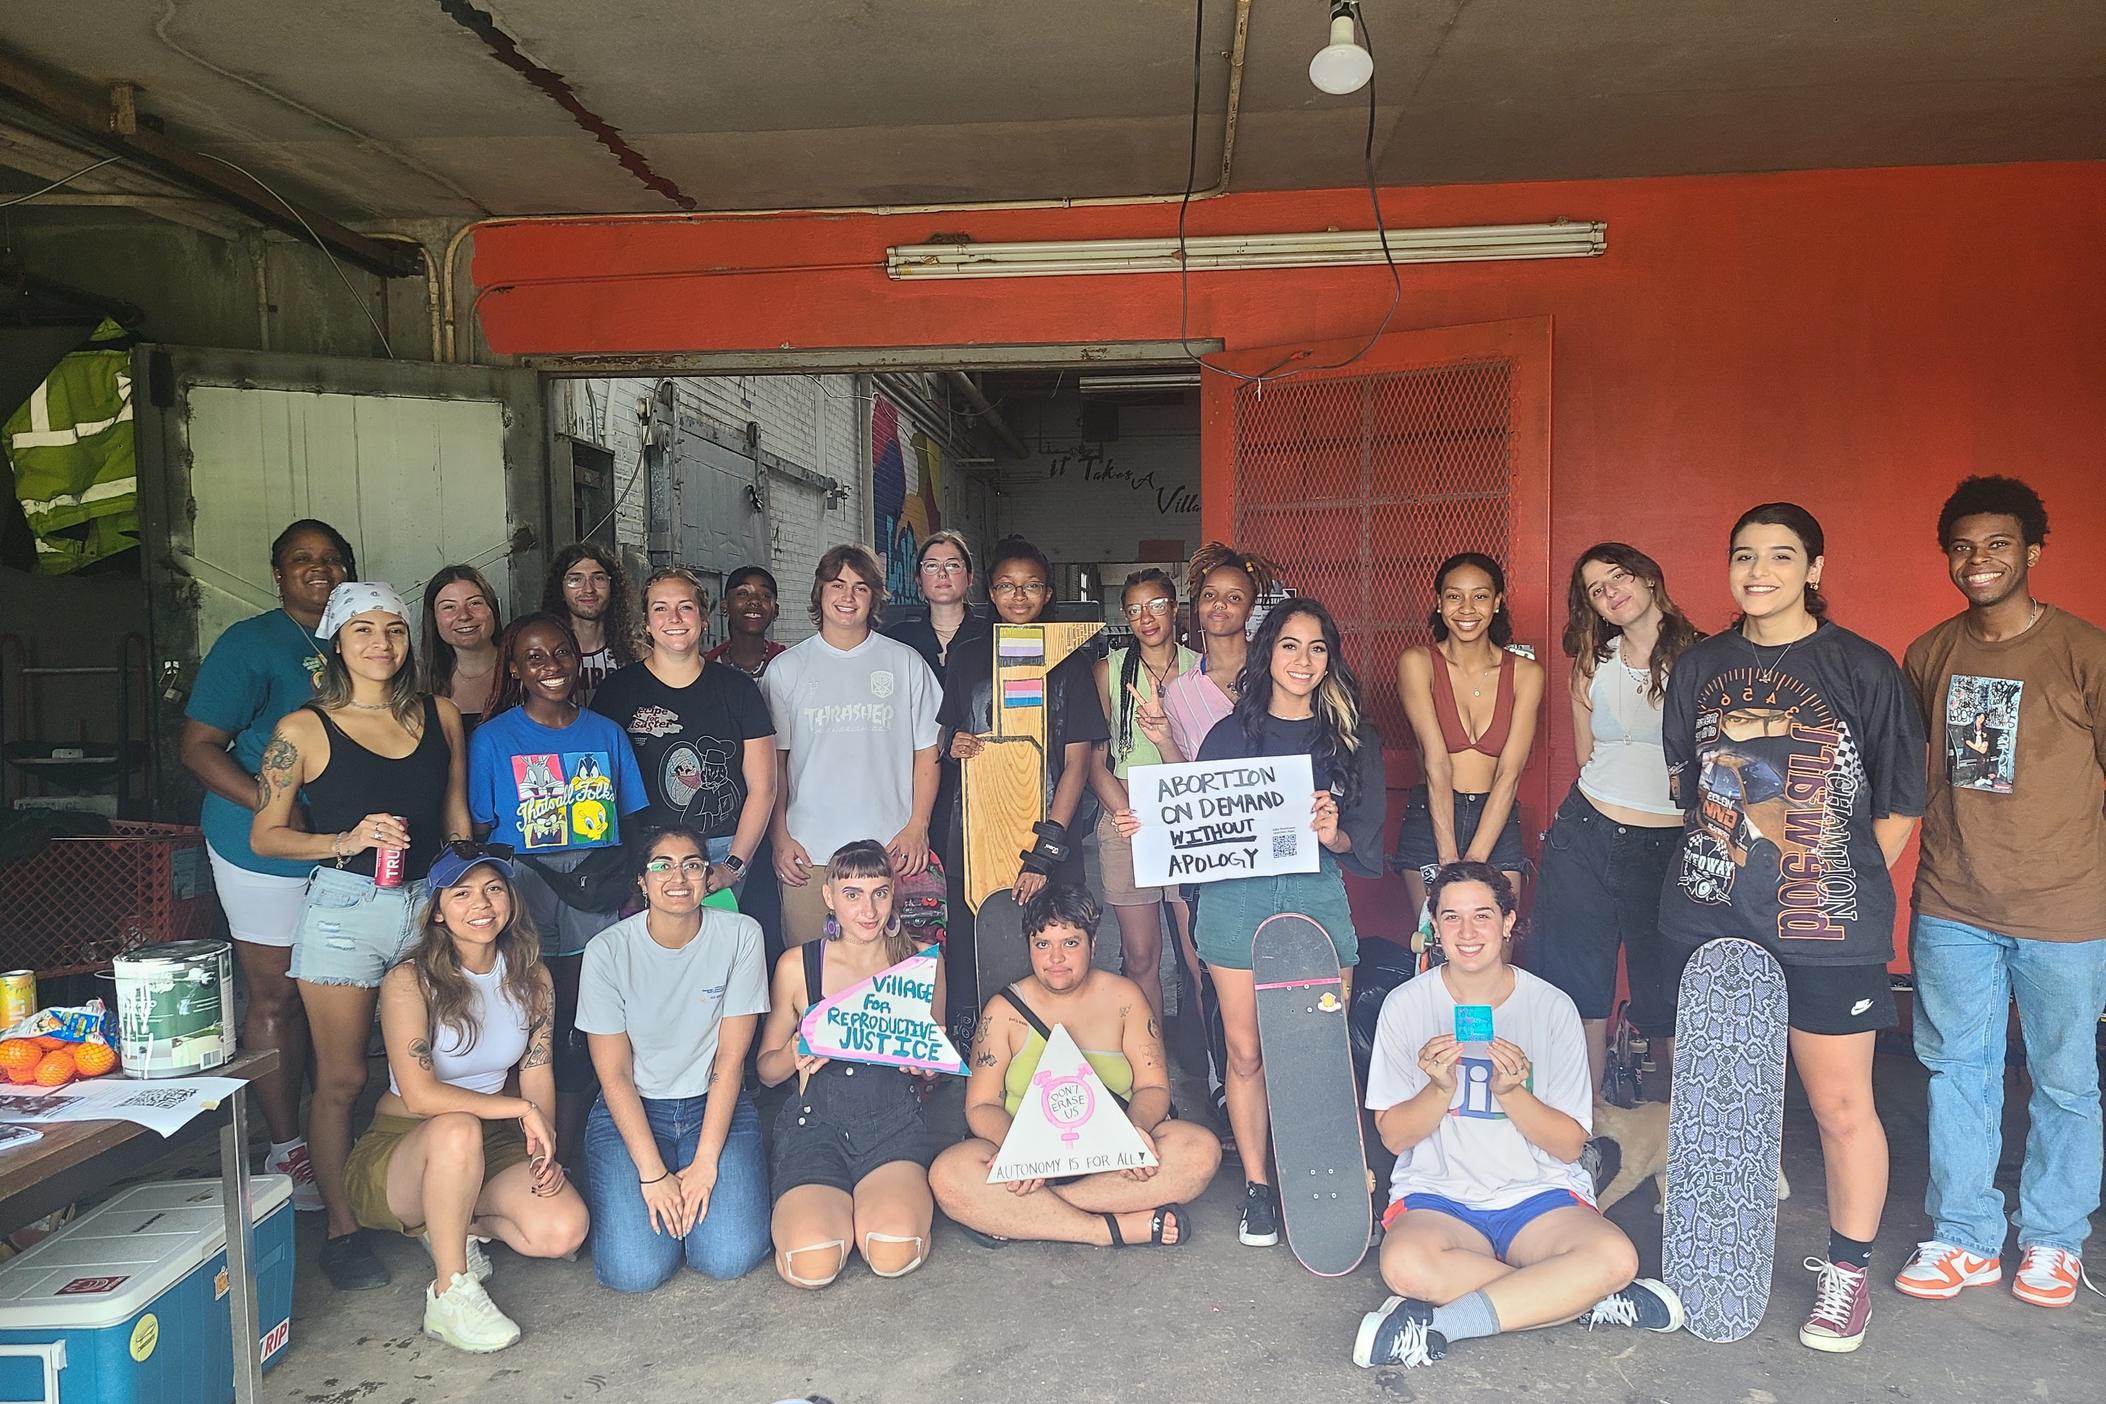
(1193, 705)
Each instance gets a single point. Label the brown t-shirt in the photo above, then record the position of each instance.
(2014, 835)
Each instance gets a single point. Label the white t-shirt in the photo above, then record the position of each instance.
(851, 721)
(670, 1003)
(1475, 1156)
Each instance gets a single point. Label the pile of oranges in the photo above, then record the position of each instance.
(53, 1062)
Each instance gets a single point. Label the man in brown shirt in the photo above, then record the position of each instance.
(2010, 901)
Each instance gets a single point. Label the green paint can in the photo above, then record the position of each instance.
(175, 1008)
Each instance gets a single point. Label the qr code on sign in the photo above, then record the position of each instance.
(1284, 843)
(161, 1098)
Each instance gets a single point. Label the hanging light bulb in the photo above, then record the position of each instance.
(1342, 66)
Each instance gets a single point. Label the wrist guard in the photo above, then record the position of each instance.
(1051, 850)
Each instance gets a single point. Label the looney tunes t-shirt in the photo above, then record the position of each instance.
(549, 789)
(1781, 757)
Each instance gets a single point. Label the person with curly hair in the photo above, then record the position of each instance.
(588, 589)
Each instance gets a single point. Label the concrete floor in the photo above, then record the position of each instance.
(1211, 1321)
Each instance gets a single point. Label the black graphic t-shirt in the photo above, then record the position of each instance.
(690, 742)
(1781, 758)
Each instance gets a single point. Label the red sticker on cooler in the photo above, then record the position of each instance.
(84, 1286)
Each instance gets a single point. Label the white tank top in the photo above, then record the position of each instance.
(1628, 767)
(500, 1042)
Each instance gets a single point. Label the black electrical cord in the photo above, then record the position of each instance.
(1374, 200)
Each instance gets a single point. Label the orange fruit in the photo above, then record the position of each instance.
(20, 1055)
(57, 1069)
(25, 1077)
(94, 1059)
(48, 1043)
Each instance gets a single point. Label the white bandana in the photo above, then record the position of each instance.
(359, 597)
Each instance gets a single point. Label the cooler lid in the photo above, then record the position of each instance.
(109, 1264)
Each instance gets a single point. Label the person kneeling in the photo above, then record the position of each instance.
(1492, 1225)
(852, 1144)
(1110, 1021)
(443, 1158)
(669, 1000)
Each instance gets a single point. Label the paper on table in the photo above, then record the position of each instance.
(163, 1105)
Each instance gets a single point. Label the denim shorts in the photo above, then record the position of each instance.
(1600, 892)
(1415, 844)
(351, 931)
(1230, 911)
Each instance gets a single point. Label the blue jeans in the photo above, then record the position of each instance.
(1965, 977)
(728, 1241)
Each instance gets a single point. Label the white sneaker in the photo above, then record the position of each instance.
(293, 1164)
(465, 1318)
(479, 1265)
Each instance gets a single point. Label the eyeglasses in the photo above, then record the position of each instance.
(1009, 589)
(1157, 607)
(689, 866)
(469, 848)
(943, 567)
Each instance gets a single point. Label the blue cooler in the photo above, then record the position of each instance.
(128, 1304)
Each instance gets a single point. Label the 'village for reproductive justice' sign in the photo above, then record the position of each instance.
(1209, 820)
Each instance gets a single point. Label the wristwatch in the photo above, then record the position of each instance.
(736, 864)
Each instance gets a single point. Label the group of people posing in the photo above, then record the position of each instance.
(590, 811)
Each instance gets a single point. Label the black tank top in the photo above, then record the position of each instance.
(357, 782)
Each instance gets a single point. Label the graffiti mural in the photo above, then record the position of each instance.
(906, 491)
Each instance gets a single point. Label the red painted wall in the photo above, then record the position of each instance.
(1854, 340)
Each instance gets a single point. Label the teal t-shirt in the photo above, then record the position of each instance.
(259, 670)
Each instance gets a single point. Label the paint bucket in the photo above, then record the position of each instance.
(175, 1015)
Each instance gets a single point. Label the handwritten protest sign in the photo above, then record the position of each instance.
(1210, 820)
(885, 1019)
(1068, 1124)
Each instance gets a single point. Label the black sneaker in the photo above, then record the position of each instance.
(351, 1265)
(1648, 1304)
(1261, 1217)
(1401, 1333)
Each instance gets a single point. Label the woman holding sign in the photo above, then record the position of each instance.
(1121, 1039)
(669, 1000)
(1296, 696)
(852, 1145)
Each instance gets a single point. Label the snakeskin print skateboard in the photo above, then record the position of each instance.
(1724, 1138)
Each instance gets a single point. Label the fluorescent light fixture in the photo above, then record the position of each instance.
(1342, 66)
(1138, 383)
(1327, 249)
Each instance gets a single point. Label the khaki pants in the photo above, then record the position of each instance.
(804, 909)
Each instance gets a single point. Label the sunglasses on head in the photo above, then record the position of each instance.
(470, 849)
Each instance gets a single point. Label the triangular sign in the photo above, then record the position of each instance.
(885, 1019)
(1069, 1124)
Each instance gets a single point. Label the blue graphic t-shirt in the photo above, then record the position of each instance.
(545, 790)
(256, 672)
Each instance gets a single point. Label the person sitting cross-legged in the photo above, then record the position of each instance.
(1116, 1032)
(1492, 1225)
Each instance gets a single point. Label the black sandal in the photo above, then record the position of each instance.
(985, 1240)
(1163, 1217)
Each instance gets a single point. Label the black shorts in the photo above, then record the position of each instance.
(1600, 892)
(850, 1120)
(1825, 999)
(1415, 847)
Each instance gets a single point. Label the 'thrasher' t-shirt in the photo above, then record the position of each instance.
(2014, 834)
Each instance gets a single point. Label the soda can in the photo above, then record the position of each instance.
(387, 866)
(18, 997)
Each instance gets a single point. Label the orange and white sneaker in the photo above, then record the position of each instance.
(1941, 1271)
(2048, 1277)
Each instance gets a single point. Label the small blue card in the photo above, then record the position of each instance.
(1473, 1023)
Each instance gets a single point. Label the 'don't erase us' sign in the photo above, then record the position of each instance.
(1208, 820)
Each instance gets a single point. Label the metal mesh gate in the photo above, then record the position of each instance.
(1359, 487)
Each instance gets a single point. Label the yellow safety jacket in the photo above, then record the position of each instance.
(71, 447)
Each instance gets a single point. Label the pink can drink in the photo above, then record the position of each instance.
(387, 866)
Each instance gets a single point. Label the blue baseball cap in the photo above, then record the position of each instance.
(456, 858)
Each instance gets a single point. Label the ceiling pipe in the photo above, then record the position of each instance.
(1239, 48)
(92, 120)
(989, 415)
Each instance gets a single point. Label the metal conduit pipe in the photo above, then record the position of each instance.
(1238, 50)
(988, 414)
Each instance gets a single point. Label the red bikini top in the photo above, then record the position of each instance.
(1453, 734)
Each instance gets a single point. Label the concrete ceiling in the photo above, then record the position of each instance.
(445, 108)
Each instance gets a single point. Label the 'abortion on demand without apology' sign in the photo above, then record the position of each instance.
(1209, 820)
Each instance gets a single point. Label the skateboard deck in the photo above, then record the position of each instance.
(923, 903)
(1319, 1160)
(1004, 789)
(1724, 1138)
(999, 957)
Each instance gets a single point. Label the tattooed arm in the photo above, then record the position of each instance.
(405, 1026)
(1000, 1034)
(299, 751)
(1141, 1039)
